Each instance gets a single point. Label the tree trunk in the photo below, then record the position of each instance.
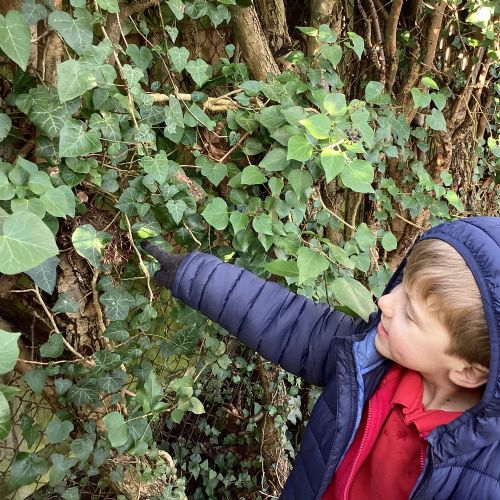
(253, 43)
(272, 16)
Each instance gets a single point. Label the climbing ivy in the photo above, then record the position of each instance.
(192, 155)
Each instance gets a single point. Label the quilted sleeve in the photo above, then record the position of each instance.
(283, 327)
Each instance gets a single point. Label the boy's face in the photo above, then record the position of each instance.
(410, 335)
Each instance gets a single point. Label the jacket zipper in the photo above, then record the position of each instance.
(358, 455)
(425, 478)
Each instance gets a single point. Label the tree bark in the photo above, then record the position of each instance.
(253, 43)
(52, 53)
(272, 16)
(321, 13)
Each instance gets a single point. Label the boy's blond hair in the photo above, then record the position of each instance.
(438, 274)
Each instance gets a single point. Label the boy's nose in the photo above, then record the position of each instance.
(384, 304)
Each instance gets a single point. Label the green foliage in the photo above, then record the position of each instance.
(245, 182)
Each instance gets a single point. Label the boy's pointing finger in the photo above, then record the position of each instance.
(153, 250)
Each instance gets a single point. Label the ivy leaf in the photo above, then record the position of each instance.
(158, 166)
(9, 350)
(200, 71)
(112, 382)
(45, 110)
(454, 200)
(57, 430)
(177, 7)
(55, 202)
(73, 80)
(318, 126)
(33, 12)
(60, 468)
(85, 392)
(358, 43)
(77, 33)
(4, 417)
(53, 348)
(196, 406)
(45, 274)
(239, 221)
(214, 172)
(358, 176)
(429, 82)
(481, 16)
(420, 99)
(176, 209)
(333, 162)
(494, 145)
(89, 243)
(25, 243)
(310, 264)
(117, 304)
(117, 428)
(300, 181)
(375, 94)
(389, 241)
(105, 360)
(439, 100)
(299, 148)
(197, 115)
(65, 304)
(142, 56)
(74, 141)
(216, 214)
(436, 120)
(271, 117)
(5, 126)
(15, 38)
(179, 57)
(275, 160)
(335, 104)
(109, 5)
(263, 224)
(62, 385)
(332, 52)
(354, 295)
(36, 379)
(82, 448)
(364, 237)
(252, 175)
(285, 268)
(26, 468)
(173, 32)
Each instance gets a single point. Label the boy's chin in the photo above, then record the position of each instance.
(381, 348)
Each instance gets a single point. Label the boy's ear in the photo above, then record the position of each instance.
(470, 376)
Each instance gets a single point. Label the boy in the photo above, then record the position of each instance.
(411, 405)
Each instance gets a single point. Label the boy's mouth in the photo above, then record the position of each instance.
(381, 330)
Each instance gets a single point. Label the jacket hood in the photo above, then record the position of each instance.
(477, 240)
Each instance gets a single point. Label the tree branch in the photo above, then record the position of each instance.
(137, 7)
(436, 21)
(390, 42)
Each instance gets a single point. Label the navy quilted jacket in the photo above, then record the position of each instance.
(330, 349)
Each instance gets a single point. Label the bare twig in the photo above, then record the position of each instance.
(95, 301)
(221, 103)
(54, 325)
(142, 267)
(242, 138)
(333, 214)
(409, 222)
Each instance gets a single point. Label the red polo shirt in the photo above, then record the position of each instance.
(388, 451)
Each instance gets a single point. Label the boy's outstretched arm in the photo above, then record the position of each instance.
(282, 326)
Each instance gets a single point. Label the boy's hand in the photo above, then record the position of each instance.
(169, 262)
